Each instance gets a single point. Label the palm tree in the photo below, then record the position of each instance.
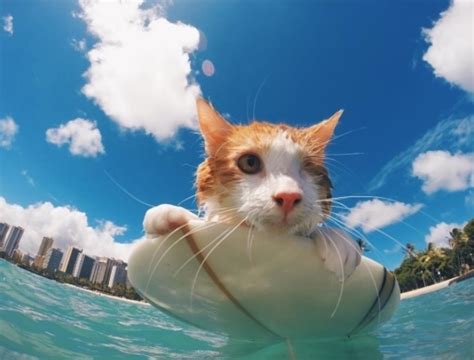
(364, 246)
(410, 250)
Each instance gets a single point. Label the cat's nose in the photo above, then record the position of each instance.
(287, 200)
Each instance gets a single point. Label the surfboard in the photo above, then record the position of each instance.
(258, 286)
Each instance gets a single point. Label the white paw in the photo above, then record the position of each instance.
(163, 219)
(341, 255)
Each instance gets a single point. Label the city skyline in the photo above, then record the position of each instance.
(72, 260)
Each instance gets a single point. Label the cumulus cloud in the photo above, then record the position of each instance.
(374, 214)
(140, 71)
(8, 24)
(8, 130)
(439, 234)
(453, 134)
(67, 226)
(451, 39)
(82, 135)
(441, 170)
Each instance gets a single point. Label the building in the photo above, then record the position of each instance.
(46, 244)
(52, 259)
(118, 275)
(83, 266)
(69, 260)
(4, 227)
(27, 259)
(99, 270)
(13, 240)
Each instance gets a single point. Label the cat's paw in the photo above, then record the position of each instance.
(163, 219)
(338, 251)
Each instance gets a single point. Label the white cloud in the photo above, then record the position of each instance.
(79, 45)
(8, 24)
(439, 234)
(82, 135)
(469, 199)
(8, 130)
(440, 170)
(140, 72)
(451, 39)
(453, 134)
(374, 214)
(28, 178)
(67, 226)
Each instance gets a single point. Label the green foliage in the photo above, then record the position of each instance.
(422, 268)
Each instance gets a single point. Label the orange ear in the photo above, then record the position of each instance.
(214, 128)
(324, 131)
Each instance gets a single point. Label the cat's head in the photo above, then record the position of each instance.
(272, 175)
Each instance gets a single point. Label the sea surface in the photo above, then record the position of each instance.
(42, 319)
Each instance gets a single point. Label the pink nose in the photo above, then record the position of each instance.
(287, 201)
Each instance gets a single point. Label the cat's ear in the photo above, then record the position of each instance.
(324, 131)
(214, 128)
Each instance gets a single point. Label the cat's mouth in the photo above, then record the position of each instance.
(291, 223)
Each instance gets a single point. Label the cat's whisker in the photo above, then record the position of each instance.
(152, 273)
(378, 230)
(341, 219)
(209, 254)
(199, 252)
(342, 272)
(351, 243)
(162, 243)
(257, 94)
(176, 230)
(381, 198)
(250, 237)
(345, 154)
(133, 197)
(188, 198)
(353, 232)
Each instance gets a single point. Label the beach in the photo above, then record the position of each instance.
(98, 293)
(435, 287)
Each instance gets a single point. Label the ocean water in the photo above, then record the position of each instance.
(43, 319)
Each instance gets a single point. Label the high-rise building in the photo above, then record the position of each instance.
(69, 260)
(13, 240)
(99, 270)
(52, 259)
(118, 275)
(46, 244)
(83, 266)
(108, 269)
(4, 227)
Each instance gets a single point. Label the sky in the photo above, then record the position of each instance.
(98, 118)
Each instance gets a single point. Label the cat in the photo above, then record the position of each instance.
(273, 176)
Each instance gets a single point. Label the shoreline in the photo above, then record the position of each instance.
(435, 287)
(98, 293)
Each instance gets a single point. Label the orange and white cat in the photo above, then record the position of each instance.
(272, 177)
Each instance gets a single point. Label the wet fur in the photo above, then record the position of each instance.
(218, 176)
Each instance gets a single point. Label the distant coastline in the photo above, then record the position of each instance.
(98, 293)
(435, 287)
(129, 294)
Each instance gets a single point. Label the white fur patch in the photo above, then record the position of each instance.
(282, 174)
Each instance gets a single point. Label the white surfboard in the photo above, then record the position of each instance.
(278, 289)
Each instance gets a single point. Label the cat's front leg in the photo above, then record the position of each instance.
(165, 218)
(338, 251)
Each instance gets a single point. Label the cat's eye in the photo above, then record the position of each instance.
(249, 164)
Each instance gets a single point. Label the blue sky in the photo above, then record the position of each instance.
(409, 114)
